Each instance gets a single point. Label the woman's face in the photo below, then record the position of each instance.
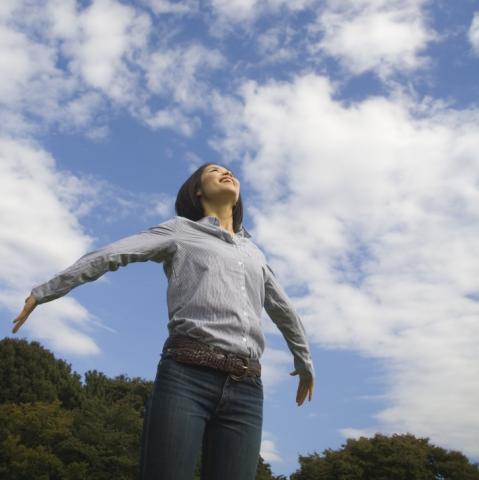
(219, 183)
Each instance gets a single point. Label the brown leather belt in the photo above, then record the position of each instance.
(189, 350)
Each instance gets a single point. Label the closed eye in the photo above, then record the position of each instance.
(216, 169)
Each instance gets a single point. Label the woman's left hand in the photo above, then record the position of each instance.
(305, 387)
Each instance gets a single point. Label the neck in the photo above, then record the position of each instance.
(223, 213)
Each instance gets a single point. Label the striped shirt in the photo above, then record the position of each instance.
(218, 284)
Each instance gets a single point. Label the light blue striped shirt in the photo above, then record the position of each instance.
(218, 284)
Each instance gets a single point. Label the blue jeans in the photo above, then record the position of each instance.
(195, 407)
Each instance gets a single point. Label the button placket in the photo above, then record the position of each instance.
(243, 297)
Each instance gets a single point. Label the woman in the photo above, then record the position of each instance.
(208, 391)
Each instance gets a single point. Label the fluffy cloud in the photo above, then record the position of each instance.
(28, 250)
(235, 11)
(161, 7)
(274, 368)
(63, 65)
(100, 41)
(374, 35)
(372, 209)
(178, 73)
(474, 33)
(60, 65)
(269, 450)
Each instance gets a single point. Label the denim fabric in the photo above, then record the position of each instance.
(195, 408)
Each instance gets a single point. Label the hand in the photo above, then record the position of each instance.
(306, 383)
(30, 304)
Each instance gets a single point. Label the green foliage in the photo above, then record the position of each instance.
(134, 391)
(108, 437)
(54, 428)
(34, 439)
(264, 472)
(399, 457)
(30, 373)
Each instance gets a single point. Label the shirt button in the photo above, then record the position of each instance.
(242, 288)
(244, 339)
(240, 262)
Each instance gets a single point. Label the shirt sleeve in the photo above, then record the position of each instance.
(279, 308)
(155, 243)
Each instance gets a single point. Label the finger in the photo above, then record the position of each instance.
(301, 387)
(18, 323)
(300, 395)
(304, 391)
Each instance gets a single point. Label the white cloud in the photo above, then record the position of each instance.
(81, 110)
(375, 35)
(275, 367)
(276, 44)
(62, 65)
(41, 68)
(172, 118)
(235, 11)
(106, 35)
(164, 207)
(23, 66)
(38, 196)
(474, 33)
(183, 7)
(269, 451)
(372, 208)
(178, 73)
(62, 16)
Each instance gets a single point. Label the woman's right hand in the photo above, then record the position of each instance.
(30, 304)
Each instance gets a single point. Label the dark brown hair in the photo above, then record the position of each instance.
(188, 204)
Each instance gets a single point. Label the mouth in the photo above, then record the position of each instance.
(226, 180)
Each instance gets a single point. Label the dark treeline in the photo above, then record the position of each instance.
(54, 427)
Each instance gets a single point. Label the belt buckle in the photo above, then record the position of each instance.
(245, 369)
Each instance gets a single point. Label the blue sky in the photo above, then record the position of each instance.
(353, 128)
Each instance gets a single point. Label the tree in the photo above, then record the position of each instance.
(264, 471)
(134, 391)
(107, 438)
(34, 441)
(30, 373)
(53, 427)
(399, 457)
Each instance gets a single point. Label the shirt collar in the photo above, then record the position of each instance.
(211, 220)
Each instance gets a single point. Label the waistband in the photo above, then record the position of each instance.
(190, 350)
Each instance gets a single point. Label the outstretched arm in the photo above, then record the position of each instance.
(281, 311)
(155, 243)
